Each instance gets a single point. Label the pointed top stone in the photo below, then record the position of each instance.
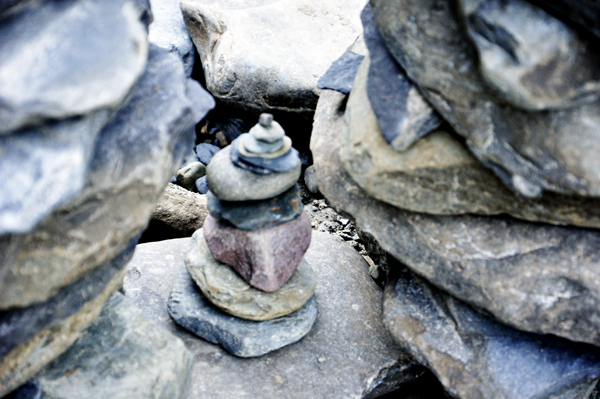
(265, 120)
(267, 129)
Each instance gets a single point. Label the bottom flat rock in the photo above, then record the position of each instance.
(347, 354)
(123, 355)
(477, 357)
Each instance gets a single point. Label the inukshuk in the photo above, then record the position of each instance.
(246, 285)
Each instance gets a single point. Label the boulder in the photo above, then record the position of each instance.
(121, 355)
(292, 54)
(135, 155)
(534, 277)
(476, 357)
(347, 353)
(169, 32)
(530, 151)
(266, 258)
(438, 175)
(534, 60)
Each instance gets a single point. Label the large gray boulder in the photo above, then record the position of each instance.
(529, 151)
(534, 277)
(135, 156)
(437, 174)
(347, 354)
(266, 55)
(123, 355)
(476, 357)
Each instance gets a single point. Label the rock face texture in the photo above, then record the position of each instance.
(346, 354)
(279, 76)
(438, 174)
(530, 151)
(534, 277)
(475, 357)
(122, 355)
(136, 154)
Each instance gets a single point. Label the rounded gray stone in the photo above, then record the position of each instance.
(230, 183)
(244, 338)
(269, 133)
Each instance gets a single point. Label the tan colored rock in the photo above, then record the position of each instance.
(180, 210)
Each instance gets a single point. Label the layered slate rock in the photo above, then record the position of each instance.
(135, 155)
(121, 355)
(230, 183)
(535, 60)
(324, 357)
(258, 215)
(438, 175)
(243, 338)
(340, 75)
(476, 357)
(34, 336)
(266, 258)
(222, 286)
(534, 277)
(279, 77)
(529, 151)
(169, 32)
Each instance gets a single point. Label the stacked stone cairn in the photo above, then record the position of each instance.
(246, 285)
(468, 147)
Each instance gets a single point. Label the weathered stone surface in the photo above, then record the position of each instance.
(529, 151)
(402, 114)
(205, 152)
(340, 75)
(534, 60)
(267, 258)
(243, 338)
(121, 355)
(222, 286)
(279, 76)
(135, 155)
(476, 357)
(347, 354)
(43, 332)
(535, 277)
(258, 215)
(438, 175)
(169, 32)
(230, 183)
(310, 180)
(264, 165)
(179, 210)
(40, 80)
(187, 176)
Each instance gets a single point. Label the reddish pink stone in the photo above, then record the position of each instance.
(267, 258)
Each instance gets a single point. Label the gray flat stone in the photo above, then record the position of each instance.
(347, 354)
(340, 75)
(476, 357)
(255, 146)
(121, 355)
(264, 165)
(230, 183)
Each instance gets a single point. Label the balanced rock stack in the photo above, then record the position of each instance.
(246, 285)
(469, 151)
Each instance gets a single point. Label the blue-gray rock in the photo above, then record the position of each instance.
(201, 185)
(32, 389)
(264, 166)
(258, 215)
(169, 32)
(340, 75)
(187, 176)
(476, 357)
(403, 115)
(121, 355)
(260, 146)
(534, 60)
(41, 80)
(244, 338)
(205, 152)
(134, 157)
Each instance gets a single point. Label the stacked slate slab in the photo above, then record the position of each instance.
(468, 148)
(91, 131)
(246, 285)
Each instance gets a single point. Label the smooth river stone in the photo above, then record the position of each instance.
(340, 75)
(249, 146)
(221, 285)
(230, 183)
(264, 165)
(267, 258)
(258, 215)
(244, 338)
